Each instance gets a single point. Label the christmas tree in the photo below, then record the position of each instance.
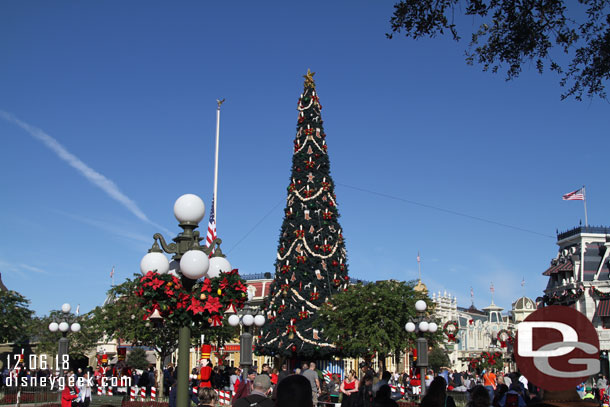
(311, 258)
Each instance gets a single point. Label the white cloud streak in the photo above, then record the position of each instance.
(97, 179)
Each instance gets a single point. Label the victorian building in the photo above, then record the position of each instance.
(472, 331)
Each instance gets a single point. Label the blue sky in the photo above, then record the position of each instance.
(125, 92)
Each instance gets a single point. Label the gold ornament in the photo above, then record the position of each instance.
(291, 335)
(202, 296)
(219, 291)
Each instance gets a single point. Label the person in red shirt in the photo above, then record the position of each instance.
(68, 394)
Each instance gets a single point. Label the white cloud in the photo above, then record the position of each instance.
(97, 179)
(32, 268)
(20, 269)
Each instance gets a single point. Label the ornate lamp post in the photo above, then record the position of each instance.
(193, 262)
(64, 327)
(420, 325)
(245, 339)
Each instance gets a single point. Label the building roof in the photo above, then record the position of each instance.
(492, 307)
(524, 303)
(2, 286)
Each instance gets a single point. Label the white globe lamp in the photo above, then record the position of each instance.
(432, 327)
(194, 264)
(420, 305)
(66, 308)
(75, 327)
(64, 327)
(53, 327)
(259, 320)
(233, 320)
(410, 327)
(189, 208)
(218, 265)
(154, 261)
(247, 320)
(423, 326)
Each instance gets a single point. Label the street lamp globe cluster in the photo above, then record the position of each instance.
(64, 326)
(421, 325)
(245, 339)
(194, 263)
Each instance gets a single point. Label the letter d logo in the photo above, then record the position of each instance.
(526, 338)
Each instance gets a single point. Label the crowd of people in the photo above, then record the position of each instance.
(280, 387)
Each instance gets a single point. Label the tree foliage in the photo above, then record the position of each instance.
(137, 359)
(438, 358)
(371, 318)
(511, 33)
(15, 316)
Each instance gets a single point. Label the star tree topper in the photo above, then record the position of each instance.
(309, 82)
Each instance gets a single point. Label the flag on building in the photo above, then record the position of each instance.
(578, 195)
(112, 272)
(211, 227)
(418, 258)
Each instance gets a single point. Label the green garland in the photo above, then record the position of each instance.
(600, 294)
(567, 296)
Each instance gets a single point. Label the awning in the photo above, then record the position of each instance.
(603, 308)
(567, 266)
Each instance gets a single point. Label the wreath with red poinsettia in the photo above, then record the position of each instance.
(451, 334)
(504, 333)
(205, 302)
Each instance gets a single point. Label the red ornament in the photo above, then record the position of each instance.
(293, 348)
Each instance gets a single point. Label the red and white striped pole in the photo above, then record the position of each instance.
(109, 392)
(153, 393)
(132, 394)
(143, 393)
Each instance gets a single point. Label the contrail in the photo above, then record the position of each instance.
(97, 179)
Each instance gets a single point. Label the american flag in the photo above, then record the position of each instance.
(578, 195)
(211, 227)
(112, 272)
(491, 288)
(418, 258)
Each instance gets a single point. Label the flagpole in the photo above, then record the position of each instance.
(584, 196)
(418, 266)
(215, 199)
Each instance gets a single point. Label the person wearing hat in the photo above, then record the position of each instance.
(245, 386)
(205, 372)
(261, 387)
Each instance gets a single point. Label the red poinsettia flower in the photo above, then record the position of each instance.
(196, 306)
(234, 271)
(239, 286)
(213, 305)
(224, 283)
(207, 285)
